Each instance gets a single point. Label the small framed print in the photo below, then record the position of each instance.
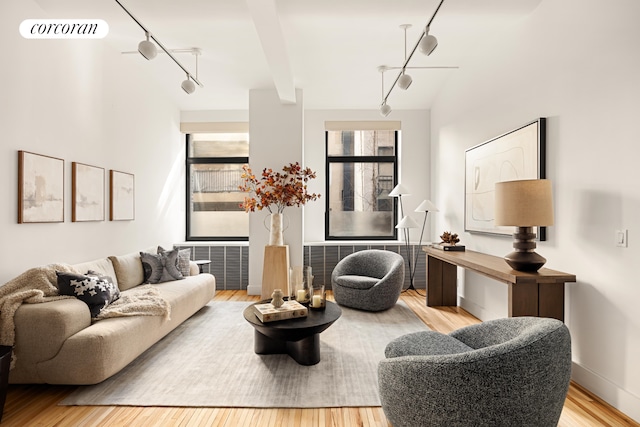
(87, 193)
(40, 188)
(121, 196)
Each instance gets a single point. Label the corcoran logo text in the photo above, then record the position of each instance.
(64, 28)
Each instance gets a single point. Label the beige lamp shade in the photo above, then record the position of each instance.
(524, 203)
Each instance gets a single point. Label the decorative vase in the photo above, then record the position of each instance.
(277, 298)
(276, 237)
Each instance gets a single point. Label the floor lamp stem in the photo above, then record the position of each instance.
(415, 259)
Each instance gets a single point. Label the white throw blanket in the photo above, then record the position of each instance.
(143, 300)
(35, 285)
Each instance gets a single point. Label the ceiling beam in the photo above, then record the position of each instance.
(267, 24)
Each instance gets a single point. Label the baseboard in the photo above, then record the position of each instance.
(477, 310)
(611, 393)
(254, 290)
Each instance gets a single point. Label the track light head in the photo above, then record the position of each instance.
(385, 110)
(428, 43)
(147, 48)
(188, 86)
(404, 81)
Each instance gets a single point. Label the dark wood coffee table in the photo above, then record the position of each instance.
(299, 337)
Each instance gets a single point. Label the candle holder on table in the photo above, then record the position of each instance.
(301, 282)
(318, 299)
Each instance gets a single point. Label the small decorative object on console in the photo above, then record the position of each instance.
(448, 242)
(288, 310)
(447, 237)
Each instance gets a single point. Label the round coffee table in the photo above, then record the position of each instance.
(298, 337)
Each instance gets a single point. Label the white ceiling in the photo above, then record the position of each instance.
(328, 48)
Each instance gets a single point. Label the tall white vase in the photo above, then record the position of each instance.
(276, 237)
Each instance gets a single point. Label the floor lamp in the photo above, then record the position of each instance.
(405, 224)
(425, 207)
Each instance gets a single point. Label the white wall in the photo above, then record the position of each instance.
(577, 64)
(81, 101)
(413, 165)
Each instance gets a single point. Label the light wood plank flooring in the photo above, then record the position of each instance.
(36, 405)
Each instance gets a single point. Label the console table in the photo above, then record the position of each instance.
(538, 294)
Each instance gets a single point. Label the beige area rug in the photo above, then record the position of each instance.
(209, 361)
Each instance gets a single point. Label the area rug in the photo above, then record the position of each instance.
(209, 361)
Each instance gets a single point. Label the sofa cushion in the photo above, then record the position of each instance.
(128, 269)
(95, 290)
(104, 266)
(160, 267)
(357, 282)
(184, 256)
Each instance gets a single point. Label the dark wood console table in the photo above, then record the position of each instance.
(530, 294)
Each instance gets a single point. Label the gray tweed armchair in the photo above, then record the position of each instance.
(505, 372)
(368, 280)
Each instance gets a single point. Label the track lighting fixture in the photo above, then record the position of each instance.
(385, 109)
(148, 49)
(428, 43)
(404, 81)
(188, 86)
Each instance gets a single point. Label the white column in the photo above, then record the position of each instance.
(275, 139)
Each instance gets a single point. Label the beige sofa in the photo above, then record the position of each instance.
(57, 343)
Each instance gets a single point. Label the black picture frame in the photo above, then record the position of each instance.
(517, 154)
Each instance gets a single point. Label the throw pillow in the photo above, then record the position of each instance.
(93, 289)
(184, 256)
(161, 267)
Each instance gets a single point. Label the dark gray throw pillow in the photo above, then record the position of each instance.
(160, 267)
(184, 256)
(93, 289)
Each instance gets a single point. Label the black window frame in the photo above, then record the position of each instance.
(359, 159)
(206, 160)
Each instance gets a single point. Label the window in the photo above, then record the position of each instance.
(214, 167)
(361, 171)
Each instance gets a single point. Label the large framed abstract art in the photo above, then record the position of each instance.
(40, 188)
(515, 155)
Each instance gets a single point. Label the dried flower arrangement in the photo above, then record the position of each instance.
(275, 191)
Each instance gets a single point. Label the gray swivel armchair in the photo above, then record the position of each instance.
(368, 280)
(505, 372)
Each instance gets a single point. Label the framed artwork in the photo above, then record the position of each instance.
(121, 196)
(87, 194)
(40, 188)
(518, 154)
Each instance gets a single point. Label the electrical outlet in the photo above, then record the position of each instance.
(621, 238)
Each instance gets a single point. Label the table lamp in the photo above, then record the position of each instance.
(524, 204)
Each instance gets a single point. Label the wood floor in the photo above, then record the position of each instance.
(36, 405)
